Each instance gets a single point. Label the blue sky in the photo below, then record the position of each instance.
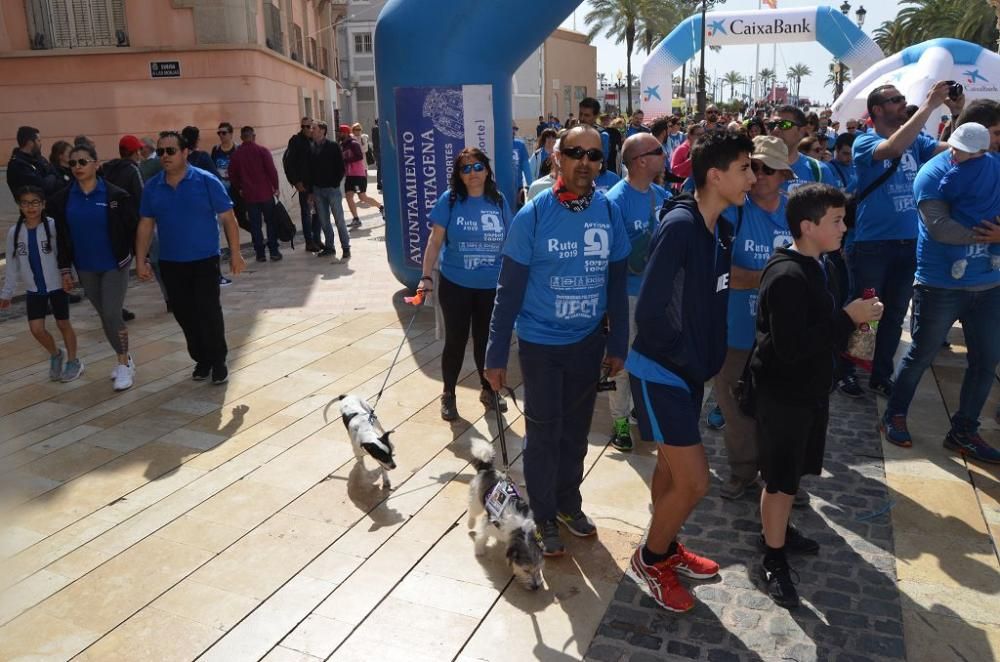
(611, 57)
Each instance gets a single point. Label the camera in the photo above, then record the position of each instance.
(955, 90)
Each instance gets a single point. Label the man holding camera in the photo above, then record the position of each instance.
(883, 256)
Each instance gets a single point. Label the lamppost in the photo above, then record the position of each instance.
(838, 67)
(619, 83)
(701, 70)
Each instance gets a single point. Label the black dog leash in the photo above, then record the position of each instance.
(579, 401)
(500, 431)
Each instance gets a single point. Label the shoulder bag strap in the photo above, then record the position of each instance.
(882, 179)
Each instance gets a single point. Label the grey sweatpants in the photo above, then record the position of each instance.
(106, 292)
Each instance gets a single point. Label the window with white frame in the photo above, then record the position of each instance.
(363, 43)
(76, 23)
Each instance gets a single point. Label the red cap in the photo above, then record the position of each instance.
(130, 143)
(344, 128)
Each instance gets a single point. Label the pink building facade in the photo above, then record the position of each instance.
(106, 68)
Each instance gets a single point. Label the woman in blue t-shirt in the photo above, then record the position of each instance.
(469, 227)
(96, 223)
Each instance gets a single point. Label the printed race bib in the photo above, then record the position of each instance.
(500, 498)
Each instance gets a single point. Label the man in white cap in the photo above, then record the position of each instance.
(955, 280)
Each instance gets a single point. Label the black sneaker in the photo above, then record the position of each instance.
(578, 524)
(277, 257)
(881, 388)
(795, 542)
(355, 223)
(776, 576)
(849, 386)
(621, 437)
(220, 374)
(201, 372)
(127, 315)
(486, 397)
(325, 252)
(449, 411)
(972, 446)
(262, 258)
(547, 535)
(346, 255)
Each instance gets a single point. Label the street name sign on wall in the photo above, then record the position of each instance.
(165, 69)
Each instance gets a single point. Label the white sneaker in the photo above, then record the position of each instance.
(123, 377)
(131, 367)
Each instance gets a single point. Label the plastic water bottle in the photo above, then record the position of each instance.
(869, 293)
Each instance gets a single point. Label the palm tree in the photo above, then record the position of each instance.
(733, 78)
(797, 73)
(831, 78)
(975, 21)
(619, 21)
(766, 78)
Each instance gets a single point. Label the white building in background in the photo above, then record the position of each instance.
(356, 50)
(554, 78)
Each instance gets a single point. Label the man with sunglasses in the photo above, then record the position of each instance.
(295, 163)
(883, 254)
(789, 124)
(564, 266)
(639, 199)
(185, 205)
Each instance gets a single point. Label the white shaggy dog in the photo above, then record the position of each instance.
(515, 525)
(363, 427)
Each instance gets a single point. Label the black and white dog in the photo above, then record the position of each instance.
(492, 499)
(363, 427)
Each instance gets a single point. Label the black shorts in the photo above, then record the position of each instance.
(38, 305)
(791, 439)
(357, 184)
(666, 414)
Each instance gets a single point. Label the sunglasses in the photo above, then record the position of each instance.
(80, 162)
(169, 151)
(31, 203)
(899, 98)
(757, 167)
(222, 133)
(306, 126)
(473, 167)
(653, 152)
(784, 125)
(577, 153)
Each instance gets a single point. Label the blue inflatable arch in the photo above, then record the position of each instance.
(824, 25)
(444, 81)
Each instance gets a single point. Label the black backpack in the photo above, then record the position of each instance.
(283, 224)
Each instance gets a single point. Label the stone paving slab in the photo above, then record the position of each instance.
(851, 608)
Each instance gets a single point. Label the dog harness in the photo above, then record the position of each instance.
(501, 498)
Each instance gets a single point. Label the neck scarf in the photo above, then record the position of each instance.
(569, 200)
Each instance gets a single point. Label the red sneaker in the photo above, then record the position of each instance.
(691, 565)
(663, 584)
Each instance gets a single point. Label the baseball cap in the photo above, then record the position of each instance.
(772, 151)
(970, 137)
(130, 143)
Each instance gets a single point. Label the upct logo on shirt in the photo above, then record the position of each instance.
(576, 306)
(476, 261)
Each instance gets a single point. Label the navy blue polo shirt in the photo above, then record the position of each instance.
(87, 217)
(186, 215)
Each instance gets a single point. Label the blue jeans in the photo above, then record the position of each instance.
(257, 212)
(327, 199)
(310, 233)
(935, 309)
(888, 267)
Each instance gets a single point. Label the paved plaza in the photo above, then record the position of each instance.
(180, 520)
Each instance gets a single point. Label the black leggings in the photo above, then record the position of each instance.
(463, 307)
